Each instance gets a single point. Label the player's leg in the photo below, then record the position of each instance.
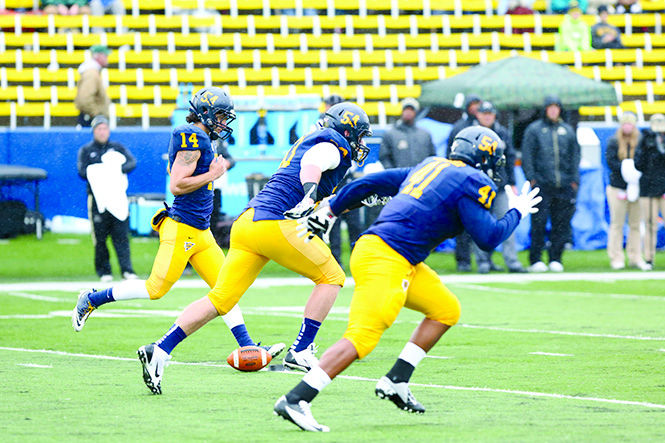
(207, 263)
(428, 295)
(382, 277)
(314, 261)
(166, 269)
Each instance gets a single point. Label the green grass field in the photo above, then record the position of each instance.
(530, 360)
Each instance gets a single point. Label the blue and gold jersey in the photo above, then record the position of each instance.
(433, 201)
(194, 208)
(284, 190)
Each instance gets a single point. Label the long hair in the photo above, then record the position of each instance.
(192, 118)
(627, 143)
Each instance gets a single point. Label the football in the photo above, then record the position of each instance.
(249, 358)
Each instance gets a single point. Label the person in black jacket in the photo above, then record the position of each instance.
(486, 116)
(650, 159)
(620, 156)
(551, 161)
(463, 241)
(104, 222)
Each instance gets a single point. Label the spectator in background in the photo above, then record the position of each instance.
(551, 161)
(107, 7)
(91, 98)
(519, 7)
(564, 6)
(505, 175)
(603, 34)
(628, 7)
(650, 160)
(574, 33)
(620, 155)
(66, 7)
(463, 241)
(405, 144)
(104, 164)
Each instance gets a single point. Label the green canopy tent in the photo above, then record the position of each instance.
(517, 83)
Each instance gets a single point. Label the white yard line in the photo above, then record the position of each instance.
(270, 282)
(297, 313)
(551, 354)
(562, 292)
(34, 365)
(35, 296)
(373, 380)
(437, 357)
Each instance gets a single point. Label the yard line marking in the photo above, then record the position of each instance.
(437, 356)
(580, 334)
(34, 296)
(270, 282)
(373, 380)
(658, 298)
(34, 365)
(129, 313)
(553, 354)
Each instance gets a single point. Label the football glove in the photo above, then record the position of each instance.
(320, 221)
(306, 205)
(526, 202)
(375, 200)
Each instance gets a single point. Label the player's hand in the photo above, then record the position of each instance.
(217, 167)
(302, 209)
(320, 221)
(375, 200)
(526, 202)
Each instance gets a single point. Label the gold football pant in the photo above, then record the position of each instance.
(253, 243)
(178, 244)
(385, 282)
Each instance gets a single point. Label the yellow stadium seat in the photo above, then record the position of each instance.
(420, 41)
(392, 75)
(240, 58)
(344, 58)
(193, 76)
(337, 22)
(221, 76)
(365, 24)
(404, 91)
(493, 56)
(158, 40)
(645, 73)
(102, 21)
(222, 41)
(371, 58)
(388, 41)
(634, 90)
(593, 57)
(492, 22)
(377, 92)
(511, 41)
(409, 5)
(278, 58)
(656, 56)
(462, 23)
(309, 58)
(483, 40)
(64, 110)
(452, 41)
(352, 42)
(304, 23)
(9, 93)
(261, 76)
(562, 58)
(426, 74)
(296, 75)
(325, 75)
(5, 109)
(657, 107)
(176, 58)
(234, 24)
(126, 77)
(118, 40)
(33, 21)
(16, 4)
(612, 74)
(41, 58)
(643, 20)
(37, 94)
(22, 41)
(432, 23)
(52, 41)
(161, 76)
(82, 41)
(358, 75)
(437, 57)
(66, 94)
(624, 56)
(258, 41)
(202, 23)
(68, 21)
(30, 110)
(54, 76)
(408, 57)
(543, 41)
(323, 41)
(291, 41)
(401, 23)
(471, 57)
(633, 40)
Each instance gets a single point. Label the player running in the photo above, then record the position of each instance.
(310, 170)
(184, 228)
(432, 201)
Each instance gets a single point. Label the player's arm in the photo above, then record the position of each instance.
(383, 184)
(182, 180)
(484, 228)
(318, 159)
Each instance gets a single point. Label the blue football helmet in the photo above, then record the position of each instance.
(353, 124)
(479, 147)
(206, 104)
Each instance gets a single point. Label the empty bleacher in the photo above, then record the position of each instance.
(374, 52)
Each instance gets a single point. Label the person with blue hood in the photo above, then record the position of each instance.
(551, 161)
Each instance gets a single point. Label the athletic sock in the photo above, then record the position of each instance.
(99, 298)
(312, 383)
(408, 359)
(242, 336)
(172, 338)
(308, 330)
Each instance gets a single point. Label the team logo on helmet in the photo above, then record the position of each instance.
(211, 104)
(353, 124)
(479, 147)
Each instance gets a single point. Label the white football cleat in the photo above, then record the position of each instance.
(398, 393)
(153, 359)
(298, 414)
(303, 360)
(556, 266)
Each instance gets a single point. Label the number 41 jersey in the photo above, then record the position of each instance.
(437, 200)
(194, 208)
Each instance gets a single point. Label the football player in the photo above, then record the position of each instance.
(266, 230)
(433, 201)
(184, 228)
